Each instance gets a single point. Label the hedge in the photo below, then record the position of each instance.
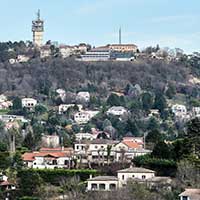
(53, 176)
(163, 167)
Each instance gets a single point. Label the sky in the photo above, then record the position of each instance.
(169, 23)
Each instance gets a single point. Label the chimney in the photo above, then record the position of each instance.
(90, 176)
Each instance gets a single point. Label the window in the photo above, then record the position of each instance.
(143, 177)
(94, 186)
(133, 176)
(112, 186)
(185, 198)
(122, 177)
(102, 186)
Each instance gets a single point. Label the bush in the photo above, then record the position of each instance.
(163, 167)
(53, 176)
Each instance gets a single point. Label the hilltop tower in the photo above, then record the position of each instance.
(38, 30)
(120, 35)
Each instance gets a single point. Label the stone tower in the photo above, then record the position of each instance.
(38, 30)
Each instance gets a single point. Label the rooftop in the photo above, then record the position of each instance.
(104, 178)
(136, 170)
(193, 193)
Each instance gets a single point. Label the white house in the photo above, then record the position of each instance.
(190, 194)
(84, 116)
(61, 93)
(29, 103)
(140, 175)
(196, 111)
(22, 58)
(126, 150)
(45, 51)
(49, 158)
(10, 118)
(83, 96)
(84, 136)
(102, 183)
(179, 110)
(96, 150)
(117, 110)
(64, 107)
(96, 54)
(65, 51)
(6, 185)
(134, 173)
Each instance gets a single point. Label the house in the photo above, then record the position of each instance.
(49, 158)
(61, 93)
(196, 111)
(84, 136)
(123, 47)
(45, 51)
(126, 150)
(102, 183)
(83, 96)
(10, 118)
(22, 58)
(117, 111)
(62, 108)
(125, 175)
(96, 151)
(154, 113)
(96, 54)
(190, 194)
(82, 48)
(29, 103)
(84, 116)
(52, 141)
(179, 110)
(4, 103)
(140, 175)
(65, 51)
(6, 187)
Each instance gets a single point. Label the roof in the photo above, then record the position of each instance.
(124, 45)
(193, 193)
(104, 178)
(5, 183)
(98, 141)
(31, 156)
(136, 170)
(131, 144)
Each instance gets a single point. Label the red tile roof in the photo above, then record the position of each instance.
(31, 156)
(131, 144)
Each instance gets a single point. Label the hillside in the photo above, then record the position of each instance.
(150, 74)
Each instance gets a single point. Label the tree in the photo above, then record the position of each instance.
(171, 91)
(147, 101)
(160, 102)
(154, 136)
(40, 109)
(193, 132)
(153, 124)
(17, 104)
(162, 150)
(29, 141)
(115, 100)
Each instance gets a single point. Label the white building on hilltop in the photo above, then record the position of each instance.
(179, 110)
(64, 107)
(83, 96)
(117, 110)
(29, 103)
(84, 116)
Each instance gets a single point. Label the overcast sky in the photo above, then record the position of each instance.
(172, 23)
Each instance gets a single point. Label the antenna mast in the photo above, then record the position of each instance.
(120, 36)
